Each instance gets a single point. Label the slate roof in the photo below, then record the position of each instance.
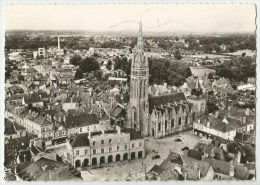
(241, 172)
(157, 169)
(192, 174)
(81, 120)
(80, 140)
(195, 154)
(223, 127)
(133, 133)
(219, 166)
(116, 111)
(35, 169)
(241, 137)
(165, 99)
(35, 98)
(9, 128)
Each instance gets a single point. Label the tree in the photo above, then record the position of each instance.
(109, 64)
(78, 74)
(177, 55)
(89, 64)
(211, 107)
(188, 72)
(210, 76)
(76, 60)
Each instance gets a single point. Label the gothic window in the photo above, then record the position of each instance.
(179, 121)
(134, 114)
(172, 123)
(166, 125)
(144, 82)
(136, 89)
(159, 127)
(193, 117)
(186, 120)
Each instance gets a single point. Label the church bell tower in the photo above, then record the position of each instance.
(139, 82)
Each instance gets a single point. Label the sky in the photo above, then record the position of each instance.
(161, 18)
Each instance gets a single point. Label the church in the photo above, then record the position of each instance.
(158, 116)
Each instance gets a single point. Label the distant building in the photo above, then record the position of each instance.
(41, 52)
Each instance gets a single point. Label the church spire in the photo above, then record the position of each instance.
(140, 37)
(58, 42)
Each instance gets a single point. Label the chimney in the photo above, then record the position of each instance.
(185, 174)
(243, 120)
(118, 129)
(50, 174)
(208, 124)
(232, 171)
(216, 114)
(64, 119)
(195, 166)
(247, 111)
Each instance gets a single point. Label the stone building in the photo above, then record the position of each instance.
(90, 149)
(159, 115)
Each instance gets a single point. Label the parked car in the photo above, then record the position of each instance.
(156, 157)
(185, 148)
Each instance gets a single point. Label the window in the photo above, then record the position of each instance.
(63, 133)
(110, 149)
(94, 151)
(159, 127)
(180, 121)
(133, 145)
(60, 128)
(94, 143)
(94, 127)
(102, 150)
(110, 140)
(88, 128)
(135, 115)
(172, 123)
(77, 152)
(140, 144)
(80, 129)
(166, 125)
(125, 147)
(86, 152)
(102, 142)
(117, 148)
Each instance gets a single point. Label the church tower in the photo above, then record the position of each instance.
(139, 82)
